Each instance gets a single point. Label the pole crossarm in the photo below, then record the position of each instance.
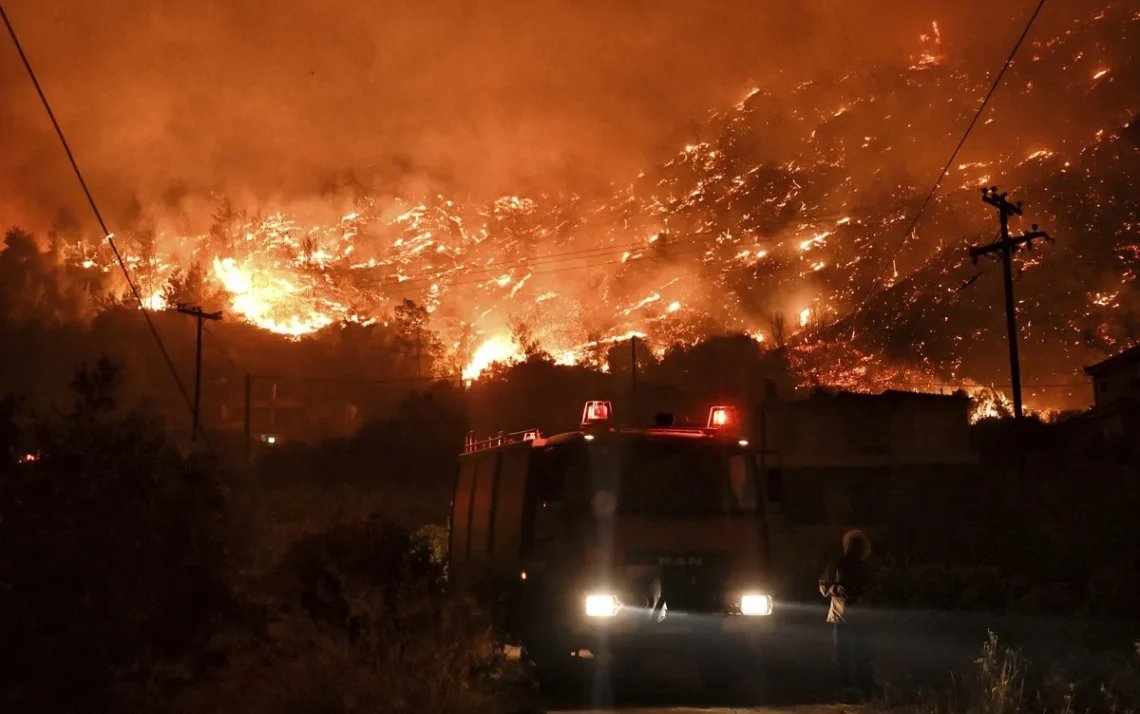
(1014, 242)
(199, 315)
(1005, 246)
(196, 311)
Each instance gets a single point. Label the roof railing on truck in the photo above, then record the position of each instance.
(472, 444)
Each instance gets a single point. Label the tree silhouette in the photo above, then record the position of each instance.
(111, 558)
(422, 346)
(191, 287)
(777, 326)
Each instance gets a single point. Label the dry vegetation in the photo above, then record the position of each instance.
(1001, 680)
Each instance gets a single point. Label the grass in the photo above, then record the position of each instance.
(1001, 680)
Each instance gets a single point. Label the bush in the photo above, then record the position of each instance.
(1003, 681)
(111, 563)
(359, 620)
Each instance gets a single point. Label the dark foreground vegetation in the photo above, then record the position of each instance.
(136, 578)
(137, 575)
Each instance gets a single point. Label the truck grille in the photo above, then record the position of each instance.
(690, 582)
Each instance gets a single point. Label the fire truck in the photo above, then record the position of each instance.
(613, 542)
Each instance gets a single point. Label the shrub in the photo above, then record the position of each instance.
(111, 559)
(360, 621)
(1003, 681)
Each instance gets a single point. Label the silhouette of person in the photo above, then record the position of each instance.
(847, 582)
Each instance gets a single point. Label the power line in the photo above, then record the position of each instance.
(355, 380)
(409, 284)
(602, 251)
(99, 217)
(1057, 385)
(945, 169)
(215, 341)
(402, 286)
(591, 266)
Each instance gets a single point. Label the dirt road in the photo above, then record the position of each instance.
(912, 648)
(819, 708)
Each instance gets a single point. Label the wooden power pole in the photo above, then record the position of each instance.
(197, 313)
(633, 377)
(1007, 245)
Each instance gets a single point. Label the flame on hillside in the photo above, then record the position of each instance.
(728, 237)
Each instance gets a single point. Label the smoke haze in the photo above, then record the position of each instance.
(486, 97)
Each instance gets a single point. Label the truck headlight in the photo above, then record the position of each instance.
(755, 604)
(601, 605)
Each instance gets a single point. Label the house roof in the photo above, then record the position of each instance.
(1129, 355)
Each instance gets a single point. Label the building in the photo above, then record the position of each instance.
(1116, 378)
(874, 461)
(861, 458)
(849, 430)
(1115, 416)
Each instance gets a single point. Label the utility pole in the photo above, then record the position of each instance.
(419, 351)
(633, 377)
(248, 417)
(1007, 245)
(197, 313)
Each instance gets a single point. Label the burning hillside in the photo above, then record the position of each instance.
(782, 218)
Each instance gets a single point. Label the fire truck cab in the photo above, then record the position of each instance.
(609, 542)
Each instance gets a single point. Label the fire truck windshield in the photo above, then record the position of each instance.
(649, 477)
(675, 478)
(657, 477)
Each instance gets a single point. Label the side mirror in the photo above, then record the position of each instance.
(775, 486)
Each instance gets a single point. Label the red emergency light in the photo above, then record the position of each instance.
(720, 417)
(596, 412)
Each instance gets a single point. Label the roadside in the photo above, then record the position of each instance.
(942, 662)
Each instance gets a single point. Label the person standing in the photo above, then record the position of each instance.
(847, 582)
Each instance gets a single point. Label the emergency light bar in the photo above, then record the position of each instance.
(596, 412)
(721, 417)
(470, 443)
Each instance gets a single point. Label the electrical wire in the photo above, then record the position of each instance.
(409, 284)
(1057, 385)
(602, 251)
(355, 380)
(216, 344)
(99, 217)
(946, 169)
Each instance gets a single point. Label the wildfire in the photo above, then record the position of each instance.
(719, 236)
(987, 403)
(497, 350)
